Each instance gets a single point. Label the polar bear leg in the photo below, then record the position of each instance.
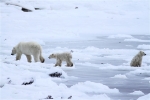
(58, 63)
(69, 63)
(18, 56)
(29, 58)
(36, 57)
(140, 62)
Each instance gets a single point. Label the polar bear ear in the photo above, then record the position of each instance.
(141, 52)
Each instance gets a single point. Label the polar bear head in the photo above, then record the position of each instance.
(13, 51)
(142, 53)
(52, 56)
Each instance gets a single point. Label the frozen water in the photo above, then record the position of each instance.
(133, 82)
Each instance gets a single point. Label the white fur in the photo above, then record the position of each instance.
(137, 59)
(28, 48)
(65, 56)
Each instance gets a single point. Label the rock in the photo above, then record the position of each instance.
(49, 97)
(26, 10)
(56, 74)
(28, 83)
(76, 7)
(70, 97)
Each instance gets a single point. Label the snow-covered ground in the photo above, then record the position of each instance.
(104, 36)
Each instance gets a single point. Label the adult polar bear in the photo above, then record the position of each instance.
(28, 48)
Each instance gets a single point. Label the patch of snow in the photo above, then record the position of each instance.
(145, 97)
(101, 97)
(137, 93)
(147, 78)
(4, 81)
(129, 45)
(144, 46)
(120, 36)
(120, 76)
(91, 87)
(136, 40)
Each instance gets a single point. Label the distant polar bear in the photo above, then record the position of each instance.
(28, 48)
(65, 56)
(137, 59)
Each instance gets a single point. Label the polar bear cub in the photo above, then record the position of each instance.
(137, 59)
(28, 49)
(65, 56)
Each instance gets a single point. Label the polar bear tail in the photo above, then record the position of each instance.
(41, 58)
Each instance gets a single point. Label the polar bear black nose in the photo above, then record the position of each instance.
(12, 54)
(145, 54)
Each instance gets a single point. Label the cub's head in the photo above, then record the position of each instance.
(142, 53)
(13, 51)
(52, 56)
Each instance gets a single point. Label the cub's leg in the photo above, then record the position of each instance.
(69, 62)
(58, 63)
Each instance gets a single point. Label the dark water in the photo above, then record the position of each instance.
(93, 74)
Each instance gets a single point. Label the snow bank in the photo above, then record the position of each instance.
(120, 76)
(137, 93)
(91, 87)
(4, 81)
(43, 85)
(28, 71)
(144, 46)
(145, 97)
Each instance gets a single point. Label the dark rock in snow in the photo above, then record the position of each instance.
(76, 7)
(70, 97)
(26, 10)
(56, 74)
(49, 97)
(28, 83)
(38, 8)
